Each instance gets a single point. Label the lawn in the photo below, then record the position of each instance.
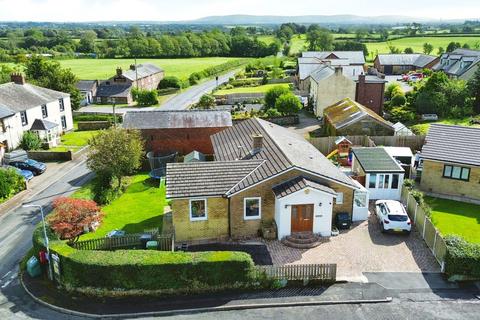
(90, 69)
(422, 128)
(257, 89)
(74, 140)
(139, 208)
(457, 218)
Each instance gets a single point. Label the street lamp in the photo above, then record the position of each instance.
(44, 233)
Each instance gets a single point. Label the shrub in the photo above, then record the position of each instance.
(273, 113)
(462, 257)
(409, 184)
(273, 94)
(288, 103)
(402, 114)
(398, 100)
(392, 89)
(170, 82)
(145, 98)
(10, 183)
(207, 101)
(30, 141)
(97, 117)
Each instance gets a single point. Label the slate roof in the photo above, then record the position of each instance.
(18, 97)
(458, 61)
(43, 125)
(118, 91)
(297, 184)
(374, 160)
(322, 72)
(86, 85)
(143, 70)
(355, 57)
(162, 119)
(203, 179)
(455, 144)
(405, 59)
(346, 111)
(5, 112)
(282, 150)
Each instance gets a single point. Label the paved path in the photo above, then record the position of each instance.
(181, 101)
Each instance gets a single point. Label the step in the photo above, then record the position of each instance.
(294, 239)
(300, 245)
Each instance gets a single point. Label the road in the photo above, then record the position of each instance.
(181, 101)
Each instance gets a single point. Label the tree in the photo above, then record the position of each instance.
(170, 82)
(427, 48)
(453, 46)
(10, 183)
(115, 153)
(393, 49)
(408, 50)
(288, 103)
(440, 51)
(319, 39)
(474, 89)
(207, 101)
(30, 141)
(71, 217)
(273, 94)
(87, 42)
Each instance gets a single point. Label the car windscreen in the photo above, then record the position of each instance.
(31, 162)
(397, 217)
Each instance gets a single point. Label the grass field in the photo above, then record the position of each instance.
(422, 128)
(74, 140)
(258, 89)
(129, 212)
(456, 218)
(88, 69)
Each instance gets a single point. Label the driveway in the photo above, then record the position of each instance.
(363, 248)
(307, 123)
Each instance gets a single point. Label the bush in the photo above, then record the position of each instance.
(393, 89)
(30, 141)
(273, 113)
(170, 82)
(207, 101)
(398, 100)
(462, 257)
(402, 114)
(10, 183)
(145, 98)
(409, 184)
(273, 94)
(288, 103)
(97, 117)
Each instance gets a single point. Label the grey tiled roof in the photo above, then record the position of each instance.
(282, 150)
(376, 160)
(323, 72)
(355, 57)
(159, 119)
(43, 125)
(17, 97)
(86, 85)
(203, 179)
(5, 112)
(458, 61)
(297, 184)
(143, 70)
(119, 91)
(404, 59)
(456, 144)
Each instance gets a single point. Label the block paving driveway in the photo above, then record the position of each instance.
(363, 248)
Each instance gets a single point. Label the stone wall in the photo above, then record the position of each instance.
(50, 156)
(280, 120)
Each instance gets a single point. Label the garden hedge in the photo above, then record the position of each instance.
(462, 257)
(150, 270)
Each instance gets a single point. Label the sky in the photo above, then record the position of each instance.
(168, 10)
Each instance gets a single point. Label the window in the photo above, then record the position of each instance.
(372, 182)
(252, 208)
(339, 199)
(64, 122)
(62, 105)
(383, 181)
(23, 116)
(44, 111)
(395, 181)
(360, 199)
(457, 173)
(198, 209)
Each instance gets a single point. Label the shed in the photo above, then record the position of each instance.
(194, 156)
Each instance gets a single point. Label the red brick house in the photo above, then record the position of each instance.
(166, 132)
(370, 92)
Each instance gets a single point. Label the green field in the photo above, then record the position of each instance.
(456, 218)
(422, 128)
(91, 69)
(257, 89)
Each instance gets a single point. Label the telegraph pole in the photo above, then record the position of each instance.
(136, 73)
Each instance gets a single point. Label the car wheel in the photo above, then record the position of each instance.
(383, 229)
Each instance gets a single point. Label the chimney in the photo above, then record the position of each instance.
(132, 67)
(361, 78)
(338, 70)
(328, 62)
(119, 72)
(257, 143)
(17, 78)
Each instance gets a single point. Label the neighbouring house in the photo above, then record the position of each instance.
(118, 88)
(370, 92)
(350, 118)
(382, 175)
(402, 130)
(24, 107)
(459, 64)
(166, 132)
(400, 63)
(451, 162)
(263, 174)
(404, 156)
(88, 89)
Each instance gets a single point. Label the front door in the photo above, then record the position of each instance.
(302, 218)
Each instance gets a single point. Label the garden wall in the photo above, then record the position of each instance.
(51, 156)
(281, 120)
(93, 125)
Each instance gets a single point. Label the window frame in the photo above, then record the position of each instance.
(452, 167)
(63, 120)
(370, 181)
(24, 113)
(339, 198)
(190, 209)
(44, 111)
(245, 217)
(61, 104)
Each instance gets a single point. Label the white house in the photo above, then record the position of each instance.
(26, 107)
(383, 175)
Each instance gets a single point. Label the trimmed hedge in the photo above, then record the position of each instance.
(462, 258)
(215, 70)
(97, 117)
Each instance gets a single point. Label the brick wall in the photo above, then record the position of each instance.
(371, 95)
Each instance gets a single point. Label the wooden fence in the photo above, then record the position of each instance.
(327, 144)
(425, 227)
(165, 243)
(324, 272)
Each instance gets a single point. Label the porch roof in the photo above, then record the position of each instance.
(297, 184)
(43, 125)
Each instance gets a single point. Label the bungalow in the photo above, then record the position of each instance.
(460, 63)
(392, 64)
(24, 107)
(166, 132)
(263, 174)
(349, 118)
(381, 173)
(451, 162)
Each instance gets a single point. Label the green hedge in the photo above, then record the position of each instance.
(462, 258)
(97, 117)
(215, 70)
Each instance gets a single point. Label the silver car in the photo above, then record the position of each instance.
(392, 216)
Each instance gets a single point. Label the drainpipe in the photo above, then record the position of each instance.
(229, 220)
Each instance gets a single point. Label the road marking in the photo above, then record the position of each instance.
(6, 274)
(10, 280)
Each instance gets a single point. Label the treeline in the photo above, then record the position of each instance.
(135, 43)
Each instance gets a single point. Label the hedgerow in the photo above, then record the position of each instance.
(462, 257)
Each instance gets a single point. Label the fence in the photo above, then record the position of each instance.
(165, 243)
(425, 227)
(327, 144)
(324, 272)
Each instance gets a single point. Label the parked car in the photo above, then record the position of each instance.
(343, 220)
(392, 216)
(34, 166)
(26, 174)
(412, 76)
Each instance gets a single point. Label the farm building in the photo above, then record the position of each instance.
(460, 63)
(402, 63)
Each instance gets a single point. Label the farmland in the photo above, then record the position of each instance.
(257, 89)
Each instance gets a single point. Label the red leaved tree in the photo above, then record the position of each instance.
(72, 216)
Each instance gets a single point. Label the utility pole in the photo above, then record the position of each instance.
(136, 73)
